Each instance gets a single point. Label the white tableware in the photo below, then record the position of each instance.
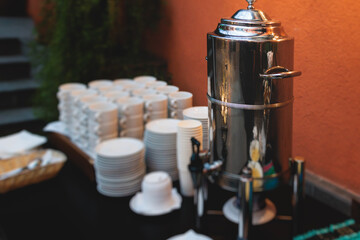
(119, 147)
(122, 81)
(176, 113)
(103, 112)
(163, 126)
(157, 196)
(200, 113)
(155, 102)
(65, 88)
(96, 84)
(130, 106)
(141, 92)
(190, 235)
(167, 89)
(133, 86)
(180, 99)
(132, 121)
(104, 89)
(155, 84)
(132, 132)
(115, 94)
(144, 79)
(153, 115)
(186, 183)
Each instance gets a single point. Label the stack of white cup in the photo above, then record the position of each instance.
(122, 81)
(98, 83)
(82, 105)
(115, 94)
(155, 107)
(131, 117)
(178, 101)
(144, 79)
(78, 116)
(102, 123)
(65, 104)
(186, 130)
(167, 89)
(143, 92)
(109, 88)
(155, 84)
(130, 87)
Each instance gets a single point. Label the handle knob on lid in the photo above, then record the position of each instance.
(250, 2)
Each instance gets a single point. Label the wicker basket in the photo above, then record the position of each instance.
(27, 177)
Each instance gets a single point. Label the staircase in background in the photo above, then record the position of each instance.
(17, 85)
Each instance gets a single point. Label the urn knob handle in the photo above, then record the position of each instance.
(250, 2)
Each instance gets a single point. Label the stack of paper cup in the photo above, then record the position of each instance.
(65, 103)
(155, 107)
(102, 123)
(186, 130)
(178, 101)
(131, 117)
(200, 113)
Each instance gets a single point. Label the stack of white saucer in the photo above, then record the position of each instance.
(119, 166)
(65, 103)
(155, 107)
(102, 123)
(200, 113)
(186, 130)
(131, 117)
(160, 146)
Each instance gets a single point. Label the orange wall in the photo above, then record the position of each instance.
(327, 51)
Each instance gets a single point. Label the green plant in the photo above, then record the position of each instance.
(83, 40)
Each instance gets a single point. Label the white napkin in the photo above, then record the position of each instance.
(18, 143)
(190, 235)
(56, 126)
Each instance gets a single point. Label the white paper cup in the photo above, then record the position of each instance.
(186, 183)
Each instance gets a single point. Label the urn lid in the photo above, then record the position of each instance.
(250, 23)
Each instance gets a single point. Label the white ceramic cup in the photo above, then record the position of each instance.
(65, 89)
(180, 99)
(103, 129)
(132, 86)
(130, 106)
(144, 79)
(103, 112)
(133, 132)
(155, 102)
(104, 89)
(176, 113)
(96, 84)
(122, 81)
(156, 188)
(133, 121)
(149, 116)
(141, 92)
(167, 89)
(115, 94)
(155, 84)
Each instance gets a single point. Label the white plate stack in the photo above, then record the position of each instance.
(186, 130)
(200, 113)
(160, 146)
(120, 166)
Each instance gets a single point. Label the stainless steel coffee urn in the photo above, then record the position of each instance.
(250, 97)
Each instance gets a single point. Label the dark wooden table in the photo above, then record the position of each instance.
(69, 207)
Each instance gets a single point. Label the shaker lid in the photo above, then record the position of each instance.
(249, 22)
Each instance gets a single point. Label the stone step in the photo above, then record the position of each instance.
(18, 115)
(16, 27)
(18, 85)
(14, 67)
(10, 46)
